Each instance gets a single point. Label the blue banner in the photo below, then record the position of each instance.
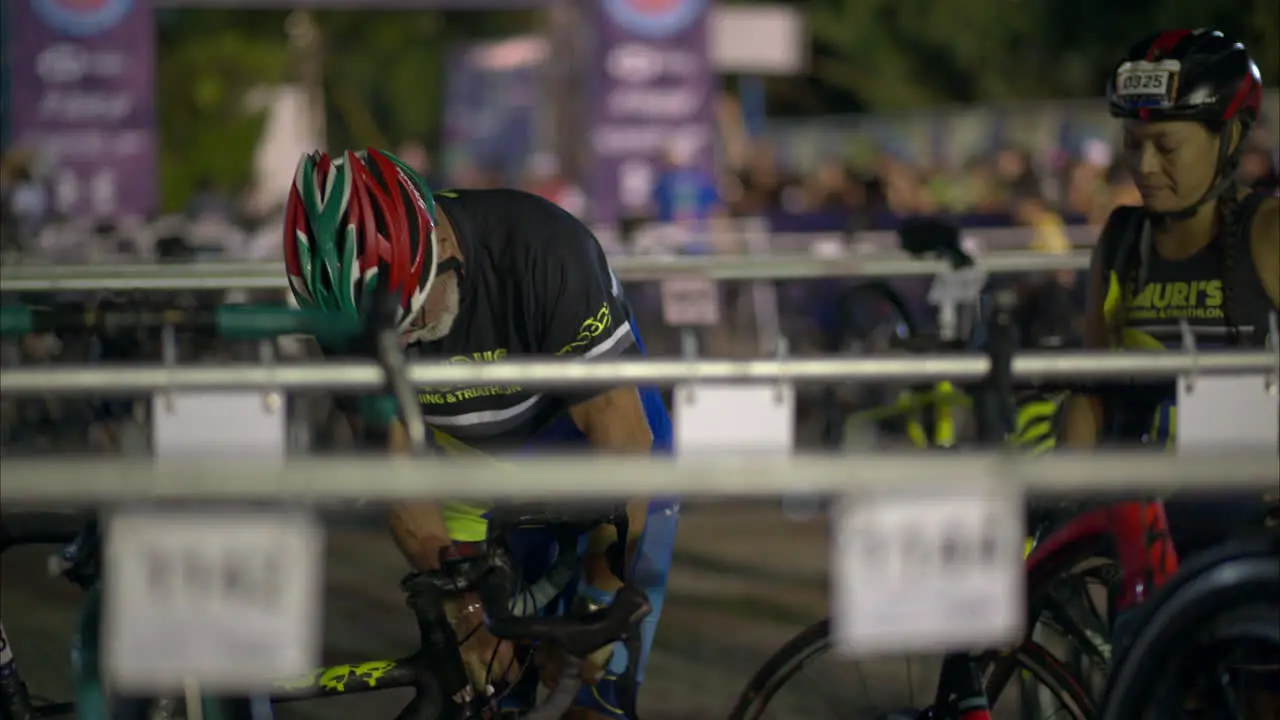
(491, 107)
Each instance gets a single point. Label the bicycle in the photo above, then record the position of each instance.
(962, 692)
(1222, 600)
(430, 672)
(435, 672)
(1136, 533)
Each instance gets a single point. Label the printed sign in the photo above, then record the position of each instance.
(191, 426)
(230, 600)
(1228, 413)
(929, 572)
(734, 418)
(652, 82)
(82, 96)
(690, 302)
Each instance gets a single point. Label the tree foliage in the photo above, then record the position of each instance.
(384, 72)
(893, 54)
(208, 62)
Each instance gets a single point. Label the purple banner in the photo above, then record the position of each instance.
(83, 96)
(652, 99)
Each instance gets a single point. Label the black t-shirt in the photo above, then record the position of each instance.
(534, 282)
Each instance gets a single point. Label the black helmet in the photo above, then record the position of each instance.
(1200, 75)
(1196, 75)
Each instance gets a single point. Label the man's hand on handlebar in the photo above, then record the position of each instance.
(486, 658)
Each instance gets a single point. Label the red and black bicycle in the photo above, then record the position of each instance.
(1101, 576)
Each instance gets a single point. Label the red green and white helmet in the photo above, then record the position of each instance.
(358, 225)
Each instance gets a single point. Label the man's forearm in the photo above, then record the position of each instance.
(419, 528)
(614, 422)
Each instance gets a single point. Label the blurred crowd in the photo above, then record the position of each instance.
(1008, 187)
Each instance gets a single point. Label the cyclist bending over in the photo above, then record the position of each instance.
(1200, 249)
(483, 275)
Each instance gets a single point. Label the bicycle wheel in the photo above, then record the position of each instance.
(760, 699)
(867, 318)
(1078, 568)
(1192, 635)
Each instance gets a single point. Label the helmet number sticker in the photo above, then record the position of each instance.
(1142, 80)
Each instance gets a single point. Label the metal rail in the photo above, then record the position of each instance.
(565, 373)
(270, 275)
(94, 481)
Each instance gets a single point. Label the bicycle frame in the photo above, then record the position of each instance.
(1139, 533)
(342, 679)
(416, 671)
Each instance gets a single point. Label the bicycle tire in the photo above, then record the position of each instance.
(1206, 601)
(815, 641)
(848, 336)
(1040, 581)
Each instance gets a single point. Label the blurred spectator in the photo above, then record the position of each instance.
(686, 196)
(26, 198)
(1013, 167)
(1088, 193)
(415, 155)
(543, 178)
(761, 183)
(904, 188)
(832, 188)
(210, 203)
(1048, 231)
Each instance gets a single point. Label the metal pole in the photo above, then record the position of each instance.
(259, 276)
(477, 377)
(92, 481)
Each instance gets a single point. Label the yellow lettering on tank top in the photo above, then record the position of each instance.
(1213, 293)
(1180, 300)
(1142, 299)
(1161, 292)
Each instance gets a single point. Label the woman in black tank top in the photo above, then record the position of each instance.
(1200, 249)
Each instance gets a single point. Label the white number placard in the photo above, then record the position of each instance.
(1146, 78)
(690, 302)
(227, 424)
(929, 572)
(228, 600)
(734, 418)
(1221, 413)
